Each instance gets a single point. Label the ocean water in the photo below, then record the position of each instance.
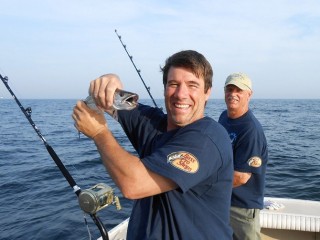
(36, 202)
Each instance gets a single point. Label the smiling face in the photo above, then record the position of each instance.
(237, 100)
(185, 97)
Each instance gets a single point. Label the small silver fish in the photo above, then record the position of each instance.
(123, 100)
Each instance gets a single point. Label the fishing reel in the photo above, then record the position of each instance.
(97, 197)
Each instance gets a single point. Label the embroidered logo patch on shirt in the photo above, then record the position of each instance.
(255, 162)
(184, 161)
(233, 137)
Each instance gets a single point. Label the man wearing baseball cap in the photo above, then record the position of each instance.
(250, 157)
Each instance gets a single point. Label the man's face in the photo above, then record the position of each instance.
(184, 97)
(237, 99)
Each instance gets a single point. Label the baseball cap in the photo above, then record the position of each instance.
(240, 80)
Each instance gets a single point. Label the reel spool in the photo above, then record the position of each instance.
(96, 198)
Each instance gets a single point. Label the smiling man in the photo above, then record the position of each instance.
(181, 180)
(250, 155)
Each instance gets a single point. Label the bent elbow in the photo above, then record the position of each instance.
(130, 190)
(129, 193)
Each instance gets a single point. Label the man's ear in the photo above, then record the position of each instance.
(208, 93)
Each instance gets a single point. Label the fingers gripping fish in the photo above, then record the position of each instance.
(123, 100)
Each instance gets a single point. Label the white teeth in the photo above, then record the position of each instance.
(232, 99)
(181, 105)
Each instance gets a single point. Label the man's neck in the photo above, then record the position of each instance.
(236, 113)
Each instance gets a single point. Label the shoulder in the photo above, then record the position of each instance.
(211, 130)
(223, 116)
(211, 126)
(207, 125)
(254, 122)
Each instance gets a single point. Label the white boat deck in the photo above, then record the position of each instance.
(290, 219)
(119, 232)
(286, 219)
(293, 214)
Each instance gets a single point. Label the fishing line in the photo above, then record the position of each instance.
(94, 198)
(86, 223)
(138, 70)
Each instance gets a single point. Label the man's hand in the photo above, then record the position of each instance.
(240, 178)
(102, 90)
(88, 121)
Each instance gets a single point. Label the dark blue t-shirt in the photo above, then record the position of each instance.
(250, 154)
(198, 158)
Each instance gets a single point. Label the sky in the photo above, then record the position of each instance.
(53, 49)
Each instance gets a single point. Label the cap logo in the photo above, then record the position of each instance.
(184, 161)
(255, 162)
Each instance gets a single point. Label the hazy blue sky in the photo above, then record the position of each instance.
(53, 49)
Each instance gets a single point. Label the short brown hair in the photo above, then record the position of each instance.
(191, 60)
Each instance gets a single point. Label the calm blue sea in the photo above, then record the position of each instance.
(36, 202)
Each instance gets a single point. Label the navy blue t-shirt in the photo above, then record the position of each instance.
(198, 158)
(250, 154)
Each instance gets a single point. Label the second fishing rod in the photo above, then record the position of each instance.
(138, 70)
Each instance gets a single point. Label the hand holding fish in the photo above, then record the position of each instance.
(103, 89)
(88, 121)
(106, 94)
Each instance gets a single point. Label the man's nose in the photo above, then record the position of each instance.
(181, 91)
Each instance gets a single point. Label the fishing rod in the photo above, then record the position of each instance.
(138, 70)
(90, 200)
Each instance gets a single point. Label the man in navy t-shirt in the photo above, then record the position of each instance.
(250, 155)
(182, 180)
